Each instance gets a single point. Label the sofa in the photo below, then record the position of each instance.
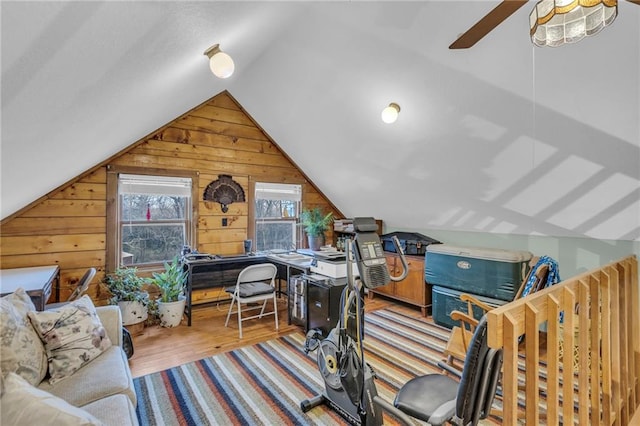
(92, 386)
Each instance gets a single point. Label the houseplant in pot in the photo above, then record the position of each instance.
(315, 224)
(126, 289)
(171, 283)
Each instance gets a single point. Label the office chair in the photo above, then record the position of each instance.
(81, 288)
(256, 283)
(438, 398)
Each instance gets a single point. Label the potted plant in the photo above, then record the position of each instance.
(171, 283)
(126, 289)
(315, 224)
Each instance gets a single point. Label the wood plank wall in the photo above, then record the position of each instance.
(67, 227)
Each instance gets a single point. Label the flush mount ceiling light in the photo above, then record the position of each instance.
(390, 113)
(557, 22)
(220, 63)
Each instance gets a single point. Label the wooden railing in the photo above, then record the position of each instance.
(572, 351)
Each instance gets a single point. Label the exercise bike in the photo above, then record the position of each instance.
(349, 381)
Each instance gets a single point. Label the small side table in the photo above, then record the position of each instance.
(37, 281)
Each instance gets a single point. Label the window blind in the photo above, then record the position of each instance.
(154, 185)
(278, 191)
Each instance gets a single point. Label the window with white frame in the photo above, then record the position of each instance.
(276, 215)
(154, 218)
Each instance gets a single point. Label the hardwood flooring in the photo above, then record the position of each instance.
(157, 348)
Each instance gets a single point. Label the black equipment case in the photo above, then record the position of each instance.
(410, 242)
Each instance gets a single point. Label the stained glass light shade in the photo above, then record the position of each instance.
(557, 22)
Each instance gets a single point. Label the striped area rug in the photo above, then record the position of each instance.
(263, 384)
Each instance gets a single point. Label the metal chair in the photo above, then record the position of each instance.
(256, 283)
(438, 398)
(81, 288)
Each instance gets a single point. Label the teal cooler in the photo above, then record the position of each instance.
(446, 300)
(488, 272)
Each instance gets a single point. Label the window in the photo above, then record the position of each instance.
(151, 220)
(276, 215)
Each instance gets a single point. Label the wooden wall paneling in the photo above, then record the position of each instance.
(98, 175)
(71, 259)
(212, 208)
(207, 178)
(224, 154)
(51, 243)
(54, 225)
(312, 199)
(69, 281)
(205, 166)
(224, 102)
(68, 226)
(62, 208)
(194, 139)
(208, 125)
(214, 222)
(222, 235)
(82, 191)
(227, 115)
(215, 238)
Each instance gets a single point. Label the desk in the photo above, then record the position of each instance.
(223, 272)
(37, 282)
(214, 272)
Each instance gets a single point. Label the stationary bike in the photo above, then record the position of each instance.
(349, 381)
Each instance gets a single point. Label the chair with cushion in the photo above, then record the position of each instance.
(439, 398)
(256, 283)
(81, 288)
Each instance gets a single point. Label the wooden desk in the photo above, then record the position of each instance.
(37, 282)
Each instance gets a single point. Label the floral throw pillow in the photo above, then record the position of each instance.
(73, 336)
(21, 350)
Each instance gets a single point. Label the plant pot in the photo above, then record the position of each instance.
(170, 313)
(135, 329)
(132, 312)
(315, 242)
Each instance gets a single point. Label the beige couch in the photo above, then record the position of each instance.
(102, 387)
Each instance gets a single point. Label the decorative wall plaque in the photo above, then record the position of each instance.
(225, 191)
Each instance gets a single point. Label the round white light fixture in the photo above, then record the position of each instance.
(221, 64)
(390, 114)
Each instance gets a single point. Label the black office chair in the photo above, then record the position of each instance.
(438, 398)
(81, 288)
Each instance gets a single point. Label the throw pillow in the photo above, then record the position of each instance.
(24, 404)
(21, 350)
(73, 336)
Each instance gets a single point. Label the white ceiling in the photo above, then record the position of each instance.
(502, 137)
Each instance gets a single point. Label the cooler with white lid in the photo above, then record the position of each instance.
(489, 272)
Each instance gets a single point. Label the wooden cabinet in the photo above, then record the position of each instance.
(413, 289)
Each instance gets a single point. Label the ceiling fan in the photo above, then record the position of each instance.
(502, 11)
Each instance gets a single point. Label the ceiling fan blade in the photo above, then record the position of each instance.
(491, 20)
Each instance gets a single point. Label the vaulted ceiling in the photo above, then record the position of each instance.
(503, 137)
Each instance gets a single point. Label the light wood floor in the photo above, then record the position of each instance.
(157, 348)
